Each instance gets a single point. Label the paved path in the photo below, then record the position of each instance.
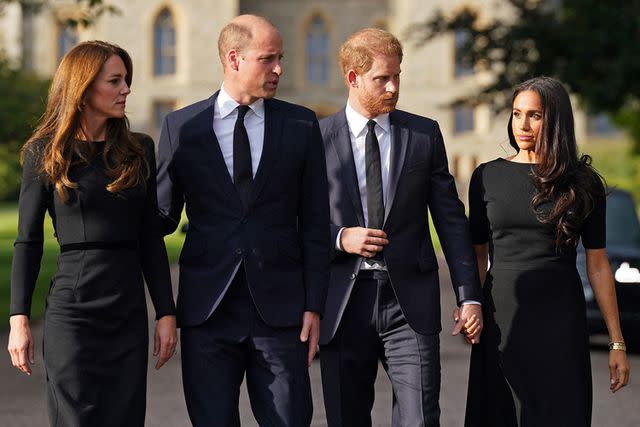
(22, 399)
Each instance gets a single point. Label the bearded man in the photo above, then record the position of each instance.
(386, 169)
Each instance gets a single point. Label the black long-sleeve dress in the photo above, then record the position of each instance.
(95, 328)
(532, 366)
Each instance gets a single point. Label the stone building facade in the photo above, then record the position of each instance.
(174, 49)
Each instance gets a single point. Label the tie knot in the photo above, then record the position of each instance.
(242, 111)
(371, 125)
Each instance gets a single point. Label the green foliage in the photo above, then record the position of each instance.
(590, 45)
(615, 163)
(22, 102)
(90, 10)
(10, 170)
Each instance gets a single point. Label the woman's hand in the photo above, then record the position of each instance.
(20, 345)
(618, 369)
(468, 322)
(165, 339)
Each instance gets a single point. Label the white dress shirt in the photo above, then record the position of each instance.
(224, 120)
(357, 135)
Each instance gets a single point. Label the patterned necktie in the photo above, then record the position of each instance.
(242, 172)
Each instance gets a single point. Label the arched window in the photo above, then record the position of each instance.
(463, 118)
(317, 51)
(462, 66)
(67, 38)
(164, 44)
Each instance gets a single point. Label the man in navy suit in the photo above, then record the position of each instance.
(386, 169)
(254, 267)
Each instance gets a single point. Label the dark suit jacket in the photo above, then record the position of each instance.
(419, 181)
(282, 236)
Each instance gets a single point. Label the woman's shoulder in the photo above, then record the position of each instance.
(489, 166)
(143, 139)
(33, 151)
(36, 146)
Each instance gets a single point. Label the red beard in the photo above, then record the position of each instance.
(383, 104)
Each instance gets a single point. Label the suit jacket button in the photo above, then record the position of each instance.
(239, 251)
(353, 276)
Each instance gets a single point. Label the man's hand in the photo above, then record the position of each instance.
(468, 321)
(365, 242)
(310, 333)
(20, 345)
(165, 339)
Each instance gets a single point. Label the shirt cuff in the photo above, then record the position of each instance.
(471, 302)
(338, 245)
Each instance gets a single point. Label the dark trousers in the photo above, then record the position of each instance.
(374, 329)
(233, 342)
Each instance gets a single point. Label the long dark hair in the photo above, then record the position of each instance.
(568, 182)
(124, 155)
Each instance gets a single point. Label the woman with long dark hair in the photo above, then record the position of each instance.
(527, 214)
(97, 181)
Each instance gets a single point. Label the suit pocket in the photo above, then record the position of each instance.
(420, 165)
(193, 249)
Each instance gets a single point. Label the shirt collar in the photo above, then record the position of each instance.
(358, 123)
(226, 104)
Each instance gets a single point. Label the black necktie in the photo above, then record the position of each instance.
(242, 173)
(375, 203)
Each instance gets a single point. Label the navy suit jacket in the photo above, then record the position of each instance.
(419, 182)
(281, 238)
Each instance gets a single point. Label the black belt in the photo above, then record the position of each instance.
(373, 274)
(129, 245)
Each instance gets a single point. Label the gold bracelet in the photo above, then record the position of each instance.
(618, 345)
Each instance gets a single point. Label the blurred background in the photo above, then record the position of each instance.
(462, 57)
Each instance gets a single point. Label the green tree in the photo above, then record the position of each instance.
(90, 9)
(21, 104)
(24, 96)
(593, 46)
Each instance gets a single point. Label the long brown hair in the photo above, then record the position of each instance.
(563, 178)
(124, 156)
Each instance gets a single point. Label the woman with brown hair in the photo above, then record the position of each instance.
(527, 214)
(97, 181)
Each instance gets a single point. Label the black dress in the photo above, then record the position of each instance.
(95, 328)
(532, 366)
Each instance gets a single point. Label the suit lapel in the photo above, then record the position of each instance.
(400, 135)
(273, 125)
(342, 144)
(203, 131)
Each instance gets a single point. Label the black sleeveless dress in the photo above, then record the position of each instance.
(532, 367)
(95, 328)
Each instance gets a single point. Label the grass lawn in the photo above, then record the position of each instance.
(8, 231)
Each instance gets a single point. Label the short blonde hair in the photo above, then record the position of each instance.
(358, 51)
(237, 34)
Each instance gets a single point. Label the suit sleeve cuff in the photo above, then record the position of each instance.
(338, 245)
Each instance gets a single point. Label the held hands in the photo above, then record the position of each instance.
(618, 370)
(468, 322)
(361, 241)
(20, 345)
(310, 333)
(165, 339)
